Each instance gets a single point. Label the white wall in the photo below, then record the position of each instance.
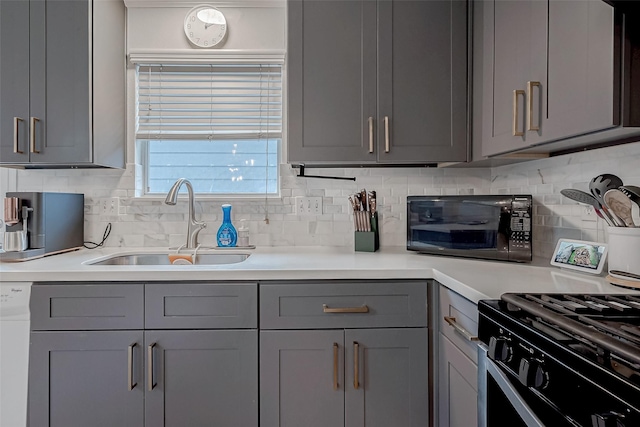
(250, 26)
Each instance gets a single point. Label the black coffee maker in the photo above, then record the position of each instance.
(39, 224)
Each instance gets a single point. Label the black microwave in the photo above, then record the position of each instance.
(489, 227)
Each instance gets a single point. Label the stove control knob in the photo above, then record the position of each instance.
(609, 419)
(532, 374)
(499, 349)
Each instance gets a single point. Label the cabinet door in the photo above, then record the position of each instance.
(391, 369)
(422, 92)
(458, 387)
(14, 81)
(515, 51)
(301, 378)
(60, 81)
(201, 378)
(332, 80)
(80, 379)
(581, 75)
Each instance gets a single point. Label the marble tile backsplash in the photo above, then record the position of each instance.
(149, 222)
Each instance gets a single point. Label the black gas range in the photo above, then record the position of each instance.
(560, 360)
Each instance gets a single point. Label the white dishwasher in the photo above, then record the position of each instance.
(14, 352)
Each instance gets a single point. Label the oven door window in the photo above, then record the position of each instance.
(502, 413)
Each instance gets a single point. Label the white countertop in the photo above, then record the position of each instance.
(473, 279)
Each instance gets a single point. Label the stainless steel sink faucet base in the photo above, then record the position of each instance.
(194, 226)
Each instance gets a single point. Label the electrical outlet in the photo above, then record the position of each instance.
(588, 214)
(109, 205)
(308, 205)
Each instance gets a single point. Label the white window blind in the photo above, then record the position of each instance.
(219, 126)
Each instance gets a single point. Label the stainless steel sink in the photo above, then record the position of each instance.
(163, 259)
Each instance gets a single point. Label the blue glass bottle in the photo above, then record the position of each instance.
(227, 234)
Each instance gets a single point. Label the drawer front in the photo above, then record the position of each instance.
(343, 304)
(86, 306)
(201, 305)
(464, 315)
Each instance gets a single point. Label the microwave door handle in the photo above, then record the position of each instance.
(521, 407)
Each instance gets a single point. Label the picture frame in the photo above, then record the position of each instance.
(580, 255)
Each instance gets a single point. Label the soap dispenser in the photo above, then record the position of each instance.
(227, 235)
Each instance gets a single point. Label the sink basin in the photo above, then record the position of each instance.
(163, 259)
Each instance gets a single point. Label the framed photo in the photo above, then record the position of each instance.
(588, 257)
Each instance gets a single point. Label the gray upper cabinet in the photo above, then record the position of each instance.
(62, 83)
(551, 75)
(331, 55)
(422, 81)
(580, 80)
(387, 84)
(514, 53)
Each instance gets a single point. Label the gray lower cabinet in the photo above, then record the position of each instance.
(457, 366)
(377, 82)
(302, 378)
(165, 354)
(457, 386)
(201, 378)
(88, 378)
(352, 377)
(62, 83)
(344, 353)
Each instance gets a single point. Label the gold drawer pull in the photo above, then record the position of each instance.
(130, 364)
(387, 144)
(32, 137)
(459, 329)
(335, 366)
(516, 113)
(530, 86)
(356, 365)
(150, 368)
(16, 125)
(370, 121)
(327, 309)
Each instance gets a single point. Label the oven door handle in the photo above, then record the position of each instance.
(487, 367)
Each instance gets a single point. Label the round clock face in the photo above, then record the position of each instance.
(205, 26)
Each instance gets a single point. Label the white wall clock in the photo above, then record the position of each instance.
(205, 26)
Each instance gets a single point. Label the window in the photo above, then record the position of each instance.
(218, 125)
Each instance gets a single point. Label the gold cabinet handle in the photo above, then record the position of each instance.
(150, 368)
(32, 136)
(530, 86)
(16, 125)
(130, 382)
(335, 366)
(516, 132)
(362, 309)
(356, 365)
(459, 329)
(386, 135)
(370, 134)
